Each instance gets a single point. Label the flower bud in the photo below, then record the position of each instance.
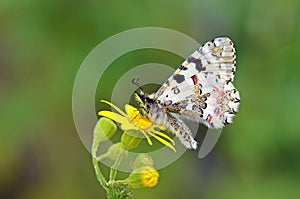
(142, 160)
(104, 129)
(131, 139)
(114, 151)
(143, 177)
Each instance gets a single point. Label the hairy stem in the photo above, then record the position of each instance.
(99, 174)
(114, 168)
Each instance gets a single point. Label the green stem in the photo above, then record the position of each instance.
(125, 181)
(114, 168)
(99, 174)
(101, 157)
(101, 179)
(94, 148)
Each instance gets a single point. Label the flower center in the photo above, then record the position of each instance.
(139, 120)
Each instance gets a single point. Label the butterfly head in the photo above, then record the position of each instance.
(144, 100)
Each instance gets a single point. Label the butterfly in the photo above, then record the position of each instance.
(201, 90)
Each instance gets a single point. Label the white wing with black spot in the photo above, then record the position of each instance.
(202, 89)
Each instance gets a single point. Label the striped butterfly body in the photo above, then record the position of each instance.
(201, 89)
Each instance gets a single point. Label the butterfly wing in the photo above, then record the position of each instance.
(201, 89)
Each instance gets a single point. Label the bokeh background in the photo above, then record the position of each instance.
(43, 43)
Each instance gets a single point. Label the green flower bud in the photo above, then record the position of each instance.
(131, 139)
(143, 177)
(104, 129)
(114, 151)
(142, 160)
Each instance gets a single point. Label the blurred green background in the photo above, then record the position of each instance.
(43, 43)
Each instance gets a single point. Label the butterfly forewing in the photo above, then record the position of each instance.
(201, 88)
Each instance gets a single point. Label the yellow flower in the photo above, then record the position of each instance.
(133, 120)
(143, 177)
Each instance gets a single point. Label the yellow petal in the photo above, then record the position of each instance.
(130, 109)
(128, 126)
(113, 116)
(147, 137)
(163, 141)
(115, 107)
(164, 136)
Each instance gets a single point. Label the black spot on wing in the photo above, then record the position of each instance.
(168, 103)
(168, 83)
(179, 78)
(203, 105)
(233, 71)
(197, 109)
(199, 65)
(175, 90)
(181, 67)
(225, 122)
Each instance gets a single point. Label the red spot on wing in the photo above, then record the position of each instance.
(223, 93)
(195, 79)
(216, 88)
(217, 111)
(209, 118)
(219, 101)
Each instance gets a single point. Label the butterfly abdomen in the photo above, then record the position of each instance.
(160, 117)
(184, 134)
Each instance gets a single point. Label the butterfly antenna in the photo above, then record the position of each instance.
(136, 82)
